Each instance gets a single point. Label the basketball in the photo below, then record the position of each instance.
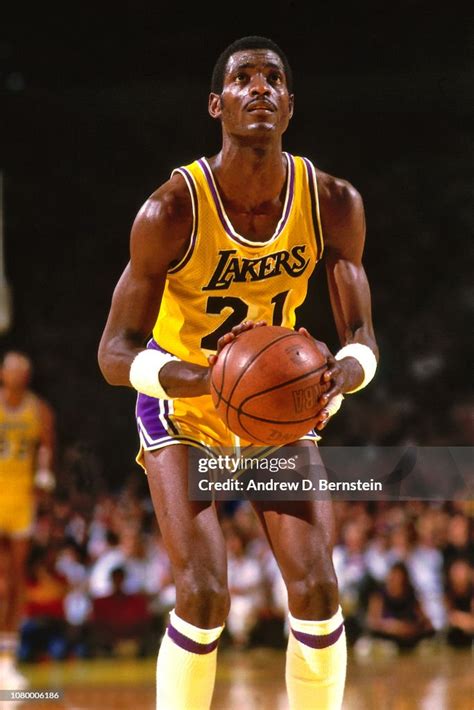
(266, 385)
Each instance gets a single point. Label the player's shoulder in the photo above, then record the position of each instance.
(170, 202)
(337, 193)
(162, 228)
(342, 214)
(42, 406)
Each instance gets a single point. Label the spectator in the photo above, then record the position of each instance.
(459, 544)
(100, 527)
(112, 556)
(378, 555)
(120, 617)
(44, 630)
(159, 582)
(460, 603)
(134, 559)
(395, 613)
(246, 587)
(425, 565)
(77, 604)
(353, 576)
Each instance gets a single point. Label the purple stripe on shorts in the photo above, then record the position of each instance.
(318, 641)
(190, 645)
(148, 410)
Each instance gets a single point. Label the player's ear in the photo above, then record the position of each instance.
(291, 104)
(215, 105)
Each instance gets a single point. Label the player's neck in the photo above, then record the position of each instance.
(12, 398)
(250, 174)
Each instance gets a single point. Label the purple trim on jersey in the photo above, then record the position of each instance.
(181, 264)
(213, 190)
(190, 645)
(291, 195)
(314, 206)
(319, 642)
(223, 217)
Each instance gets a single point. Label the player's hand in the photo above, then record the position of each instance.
(322, 347)
(231, 335)
(330, 401)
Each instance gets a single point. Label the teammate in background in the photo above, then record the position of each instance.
(225, 243)
(27, 446)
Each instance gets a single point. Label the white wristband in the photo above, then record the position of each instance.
(366, 359)
(145, 372)
(44, 479)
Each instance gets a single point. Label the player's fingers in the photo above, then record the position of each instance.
(306, 334)
(223, 340)
(327, 396)
(330, 374)
(245, 325)
(333, 368)
(212, 359)
(322, 420)
(322, 414)
(242, 326)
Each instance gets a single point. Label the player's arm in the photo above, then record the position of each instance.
(46, 454)
(159, 237)
(343, 219)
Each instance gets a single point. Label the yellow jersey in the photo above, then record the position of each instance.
(20, 431)
(224, 278)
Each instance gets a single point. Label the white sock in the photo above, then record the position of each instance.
(316, 663)
(186, 668)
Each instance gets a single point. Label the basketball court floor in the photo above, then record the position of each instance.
(437, 679)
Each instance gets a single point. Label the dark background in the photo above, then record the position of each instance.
(99, 105)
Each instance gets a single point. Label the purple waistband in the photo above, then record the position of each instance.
(318, 641)
(188, 644)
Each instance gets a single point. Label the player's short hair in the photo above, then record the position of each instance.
(251, 42)
(19, 354)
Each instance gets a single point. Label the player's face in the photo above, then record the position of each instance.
(16, 372)
(255, 98)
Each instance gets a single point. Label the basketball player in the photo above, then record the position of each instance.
(227, 242)
(26, 461)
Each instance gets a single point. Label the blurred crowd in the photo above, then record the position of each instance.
(99, 579)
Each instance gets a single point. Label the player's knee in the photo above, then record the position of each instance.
(313, 597)
(205, 599)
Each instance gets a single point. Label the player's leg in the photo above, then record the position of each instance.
(19, 548)
(301, 536)
(17, 551)
(196, 548)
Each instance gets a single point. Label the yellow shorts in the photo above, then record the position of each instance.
(190, 420)
(16, 516)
